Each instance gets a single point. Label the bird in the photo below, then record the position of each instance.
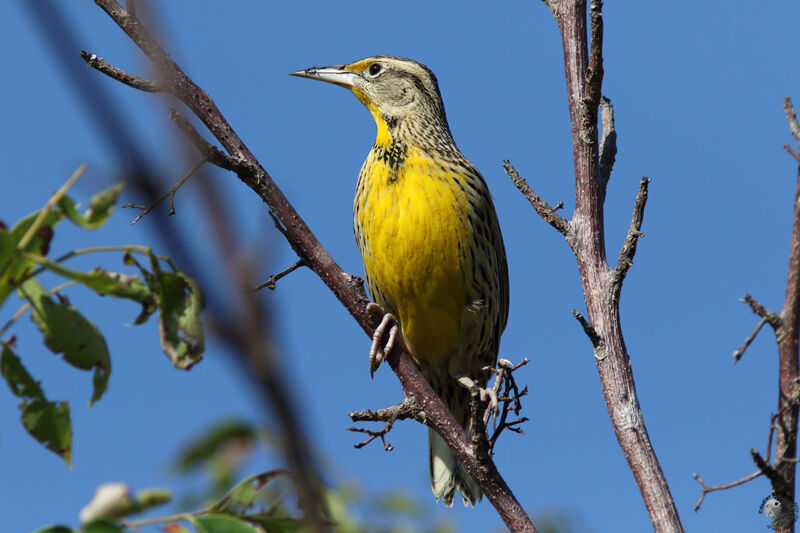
(432, 250)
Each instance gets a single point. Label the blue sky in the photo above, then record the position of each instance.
(697, 89)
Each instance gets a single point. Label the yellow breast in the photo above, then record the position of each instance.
(412, 228)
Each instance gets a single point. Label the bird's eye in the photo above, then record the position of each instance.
(375, 68)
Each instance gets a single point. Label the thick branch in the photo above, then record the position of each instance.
(787, 337)
(601, 285)
(311, 252)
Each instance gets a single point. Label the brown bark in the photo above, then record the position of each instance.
(583, 65)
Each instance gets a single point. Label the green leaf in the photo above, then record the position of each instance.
(17, 376)
(179, 325)
(113, 284)
(148, 498)
(14, 267)
(40, 243)
(275, 524)
(46, 421)
(54, 529)
(104, 525)
(67, 331)
(100, 208)
(212, 441)
(221, 524)
(8, 253)
(242, 496)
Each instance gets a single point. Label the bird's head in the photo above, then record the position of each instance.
(397, 91)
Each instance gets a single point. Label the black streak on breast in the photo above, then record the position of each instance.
(393, 155)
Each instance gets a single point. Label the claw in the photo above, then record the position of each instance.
(376, 354)
(487, 396)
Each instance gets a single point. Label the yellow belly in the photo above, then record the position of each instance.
(414, 233)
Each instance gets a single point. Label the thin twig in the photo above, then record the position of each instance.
(791, 116)
(542, 207)
(597, 340)
(594, 74)
(792, 152)
(739, 352)
(214, 155)
(120, 75)
(706, 488)
(510, 398)
(170, 193)
(381, 433)
(628, 250)
(772, 318)
(778, 483)
(402, 411)
(608, 145)
(273, 279)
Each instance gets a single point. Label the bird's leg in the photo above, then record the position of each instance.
(376, 354)
(487, 395)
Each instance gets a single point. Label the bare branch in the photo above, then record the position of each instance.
(542, 207)
(608, 145)
(402, 411)
(601, 284)
(792, 152)
(778, 483)
(628, 250)
(739, 352)
(510, 398)
(594, 74)
(706, 488)
(213, 154)
(120, 75)
(170, 193)
(772, 318)
(791, 116)
(597, 340)
(270, 283)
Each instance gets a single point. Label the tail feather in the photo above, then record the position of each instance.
(448, 474)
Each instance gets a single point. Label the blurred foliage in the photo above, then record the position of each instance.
(65, 330)
(263, 502)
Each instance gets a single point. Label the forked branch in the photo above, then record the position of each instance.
(593, 157)
(782, 472)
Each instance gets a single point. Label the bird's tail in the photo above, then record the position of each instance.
(448, 475)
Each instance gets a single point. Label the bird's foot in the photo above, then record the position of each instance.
(388, 323)
(488, 396)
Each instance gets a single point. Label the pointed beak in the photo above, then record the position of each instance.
(337, 74)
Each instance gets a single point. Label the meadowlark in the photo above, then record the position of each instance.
(433, 254)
